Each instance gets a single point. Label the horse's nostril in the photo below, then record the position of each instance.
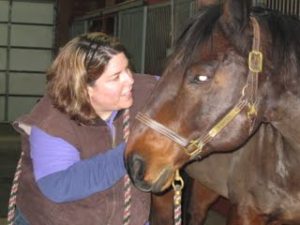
(137, 168)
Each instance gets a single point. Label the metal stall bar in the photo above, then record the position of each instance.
(132, 33)
(158, 38)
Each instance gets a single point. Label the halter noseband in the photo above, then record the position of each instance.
(194, 147)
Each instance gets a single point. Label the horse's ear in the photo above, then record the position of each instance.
(235, 15)
(235, 22)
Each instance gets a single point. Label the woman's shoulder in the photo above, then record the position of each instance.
(38, 113)
(45, 116)
(44, 113)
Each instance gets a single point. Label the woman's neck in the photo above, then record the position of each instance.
(105, 115)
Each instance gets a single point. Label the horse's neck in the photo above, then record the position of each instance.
(288, 123)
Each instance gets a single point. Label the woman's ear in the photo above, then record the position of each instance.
(90, 91)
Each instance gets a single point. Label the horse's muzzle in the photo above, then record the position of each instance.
(135, 166)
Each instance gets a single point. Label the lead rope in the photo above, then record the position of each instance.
(13, 193)
(177, 186)
(127, 182)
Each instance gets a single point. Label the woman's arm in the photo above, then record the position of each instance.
(63, 177)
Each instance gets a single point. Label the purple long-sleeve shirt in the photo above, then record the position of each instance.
(62, 176)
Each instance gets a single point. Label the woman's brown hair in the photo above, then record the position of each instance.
(79, 64)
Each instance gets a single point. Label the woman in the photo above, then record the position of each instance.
(73, 139)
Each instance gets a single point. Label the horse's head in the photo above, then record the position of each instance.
(211, 97)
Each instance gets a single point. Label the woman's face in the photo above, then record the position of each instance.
(113, 89)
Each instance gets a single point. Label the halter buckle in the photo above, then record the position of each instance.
(194, 148)
(255, 61)
(252, 112)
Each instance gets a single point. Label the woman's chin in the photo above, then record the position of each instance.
(126, 104)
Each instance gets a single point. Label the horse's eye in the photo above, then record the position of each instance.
(200, 78)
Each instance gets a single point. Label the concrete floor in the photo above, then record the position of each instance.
(9, 155)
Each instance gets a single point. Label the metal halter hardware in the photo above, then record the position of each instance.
(194, 147)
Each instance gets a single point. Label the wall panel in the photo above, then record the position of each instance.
(32, 36)
(17, 103)
(33, 12)
(27, 83)
(26, 52)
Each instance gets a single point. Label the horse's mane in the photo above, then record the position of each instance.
(285, 33)
(285, 51)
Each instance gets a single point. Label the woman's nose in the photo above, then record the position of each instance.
(129, 77)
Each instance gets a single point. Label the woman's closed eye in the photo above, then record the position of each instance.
(115, 76)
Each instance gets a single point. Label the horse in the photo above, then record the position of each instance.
(226, 109)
